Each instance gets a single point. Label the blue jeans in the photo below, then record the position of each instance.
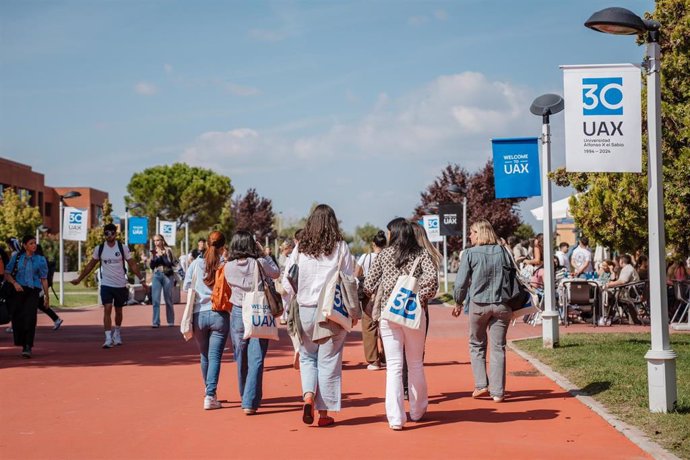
(249, 356)
(321, 365)
(211, 333)
(162, 282)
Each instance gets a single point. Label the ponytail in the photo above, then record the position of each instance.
(216, 242)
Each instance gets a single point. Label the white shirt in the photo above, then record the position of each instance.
(628, 274)
(366, 261)
(563, 259)
(582, 256)
(315, 272)
(112, 273)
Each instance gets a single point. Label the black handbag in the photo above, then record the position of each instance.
(7, 292)
(293, 274)
(514, 294)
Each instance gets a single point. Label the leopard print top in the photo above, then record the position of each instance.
(384, 271)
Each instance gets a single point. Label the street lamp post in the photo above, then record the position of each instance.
(66, 196)
(661, 359)
(544, 106)
(40, 229)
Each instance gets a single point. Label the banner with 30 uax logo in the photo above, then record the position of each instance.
(75, 224)
(603, 118)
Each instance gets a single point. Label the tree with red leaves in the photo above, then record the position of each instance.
(254, 214)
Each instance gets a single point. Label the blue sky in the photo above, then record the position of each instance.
(358, 104)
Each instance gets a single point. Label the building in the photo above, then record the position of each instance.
(27, 182)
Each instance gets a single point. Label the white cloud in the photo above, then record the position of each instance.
(403, 142)
(145, 88)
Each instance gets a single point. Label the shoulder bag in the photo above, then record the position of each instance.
(402, 306)
(275, 301)
(186, 327)
(514, 293)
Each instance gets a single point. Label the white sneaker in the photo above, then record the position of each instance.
(117, 338)
(57, 324)
(108, 343)
(210, 402)
(374, 367)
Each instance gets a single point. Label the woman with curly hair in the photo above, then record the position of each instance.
(320, 252)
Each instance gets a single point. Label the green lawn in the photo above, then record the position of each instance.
(75, 296)
(612, 369)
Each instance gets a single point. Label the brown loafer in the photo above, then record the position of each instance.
(308, 410)
(326, 421)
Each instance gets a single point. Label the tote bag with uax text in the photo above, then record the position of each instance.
(402, 306)
(258, 321)
(338, 301)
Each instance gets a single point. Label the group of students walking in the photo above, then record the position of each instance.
(399, 257)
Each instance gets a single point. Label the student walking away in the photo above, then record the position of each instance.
(210, 327)
(57, 321)
(318, 253)
(285, 250)
(27, 273)
(481, 271)
(243, 260)
(162, 263)
(113, 257)
(403, 256)
(373, 349)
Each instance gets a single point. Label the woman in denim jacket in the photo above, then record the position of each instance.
(481, 272)
(210, 327)
(250, 353)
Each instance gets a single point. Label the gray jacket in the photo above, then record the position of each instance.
(481, 272)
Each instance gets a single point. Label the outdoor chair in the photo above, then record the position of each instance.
(634, 296)
(582, 297)
(681, 291)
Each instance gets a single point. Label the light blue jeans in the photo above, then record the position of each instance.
(162, 282)
(211, 332)
(321, 366)
(249, 356)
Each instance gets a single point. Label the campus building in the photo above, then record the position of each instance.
(31, 184)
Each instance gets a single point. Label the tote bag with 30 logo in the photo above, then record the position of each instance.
(402, 306)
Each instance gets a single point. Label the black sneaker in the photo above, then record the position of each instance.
(26, 352)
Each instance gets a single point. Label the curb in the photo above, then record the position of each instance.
(634, 434)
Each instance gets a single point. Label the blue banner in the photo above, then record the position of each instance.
(516, 167)
(138, 231)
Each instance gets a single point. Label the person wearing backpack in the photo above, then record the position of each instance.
(243, 259)
(113, 257)
(211, 314)
(27, 273)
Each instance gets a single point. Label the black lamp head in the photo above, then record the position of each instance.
(618, 21)
(547, 104)
(70, 194)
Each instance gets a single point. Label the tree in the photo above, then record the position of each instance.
(254, 214)
(614, 210)
(366, 232)
(17, 217)
(524, 231)
(181, 193)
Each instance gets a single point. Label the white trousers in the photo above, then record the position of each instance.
(397, 338)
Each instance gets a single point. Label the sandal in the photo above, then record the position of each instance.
(480, 392)
(308, 410)
(326, 421)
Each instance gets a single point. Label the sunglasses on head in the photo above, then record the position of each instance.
(109, 232)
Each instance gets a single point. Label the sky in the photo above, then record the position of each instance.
(358, 104)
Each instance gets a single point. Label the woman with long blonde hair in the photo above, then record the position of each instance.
(481, 272)
(162, 263)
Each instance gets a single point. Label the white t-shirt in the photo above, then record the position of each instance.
(112, 273)
(628, 274)
(563, 259)
(582, 256)
(366, 261)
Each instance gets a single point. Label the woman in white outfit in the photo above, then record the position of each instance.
(400, 342)
(321, 251)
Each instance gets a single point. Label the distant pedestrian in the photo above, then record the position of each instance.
(481, 271)
(31, 279)
(162, 263)
(373, 347)
(244, 258)
(321, 246)
(581, 261)
(401, 257)
(210, 327)
(114, 258)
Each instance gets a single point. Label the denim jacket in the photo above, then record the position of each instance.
(481, 272)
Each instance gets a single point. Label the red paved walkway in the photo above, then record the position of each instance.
(143, 400)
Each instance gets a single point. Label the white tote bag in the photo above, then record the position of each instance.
(402, 306)
(258, 321)
(338, 301)
(186, 327)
